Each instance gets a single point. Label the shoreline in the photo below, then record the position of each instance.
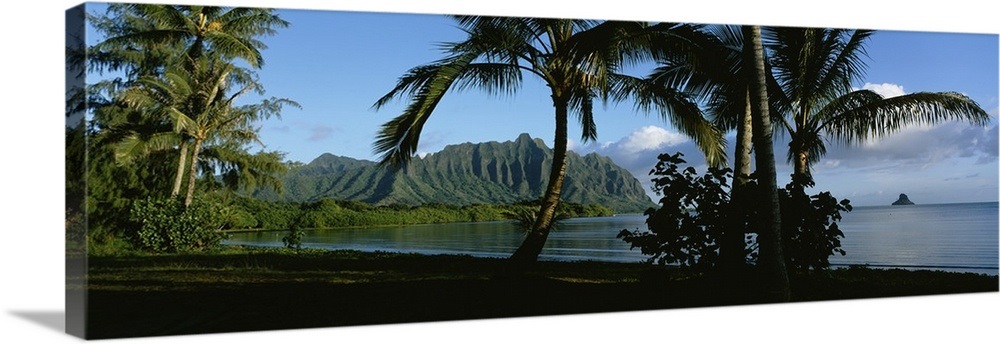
(985, 271)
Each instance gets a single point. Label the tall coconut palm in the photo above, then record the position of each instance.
(720, 78)
(816, 69)
(579, 60)
(231, 33)
(200, 106)
(148, 41)
(771, 256)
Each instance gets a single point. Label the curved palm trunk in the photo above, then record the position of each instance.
(179, 179)
(771, 258)
(193, 172)
(534, 241)
(732, 255)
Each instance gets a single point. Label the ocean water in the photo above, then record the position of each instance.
(951, 237)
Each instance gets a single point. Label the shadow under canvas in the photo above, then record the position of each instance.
(53, 320)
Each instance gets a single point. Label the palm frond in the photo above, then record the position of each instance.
(240, 170)
(525, 218)
(236, 47)
(182, 122)
(250, 22)
(397, 139)
(583, 104)
(843, 104)
(881, 118)
(677, 108)
(425, 85)
(849, 63)
(135, 146)
(609, 46)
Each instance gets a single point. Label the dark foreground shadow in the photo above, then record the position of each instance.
(53, 320)
(195, 294)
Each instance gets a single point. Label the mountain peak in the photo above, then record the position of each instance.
(469, 173)
(525, 139)
(324, 157)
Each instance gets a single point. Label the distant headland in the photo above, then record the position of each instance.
(903, 200)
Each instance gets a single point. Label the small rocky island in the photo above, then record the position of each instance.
(903, 200)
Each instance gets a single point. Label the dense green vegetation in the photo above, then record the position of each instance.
(250, 213)
(166, 124)
(168, 225)
(465, 174)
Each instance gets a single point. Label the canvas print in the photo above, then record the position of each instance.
(245, 169)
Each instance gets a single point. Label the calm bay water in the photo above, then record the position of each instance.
(954, 237)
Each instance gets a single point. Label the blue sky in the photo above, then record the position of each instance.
(336, 64)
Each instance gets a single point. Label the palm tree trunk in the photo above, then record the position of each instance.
(802, 163)
(180, 169)
(732, 255)
(193, 172)
(771, 258)
(534, 241)
(744, 144)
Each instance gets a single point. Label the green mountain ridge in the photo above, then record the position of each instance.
(468, 173)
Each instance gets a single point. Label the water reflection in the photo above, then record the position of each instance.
(575, 239)
(961, 237)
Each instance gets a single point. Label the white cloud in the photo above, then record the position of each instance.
(885, 89)
(637, 152)
(914, 146)
(572, 145)
(918, 147)
(650, 138)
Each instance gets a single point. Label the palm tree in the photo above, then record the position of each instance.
(231, 33)
(719, 78)
(815, 69)
(196, 102)
(771, 257)
(144, 41)
(579, 60)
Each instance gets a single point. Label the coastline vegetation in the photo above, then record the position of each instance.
(254, 214)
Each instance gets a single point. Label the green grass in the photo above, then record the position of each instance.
(246, 289)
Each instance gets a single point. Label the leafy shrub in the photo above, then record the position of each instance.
(166, 225)
(685, 230)
(809, 227)
(687, 227)
(233, 217)
(294, 237)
